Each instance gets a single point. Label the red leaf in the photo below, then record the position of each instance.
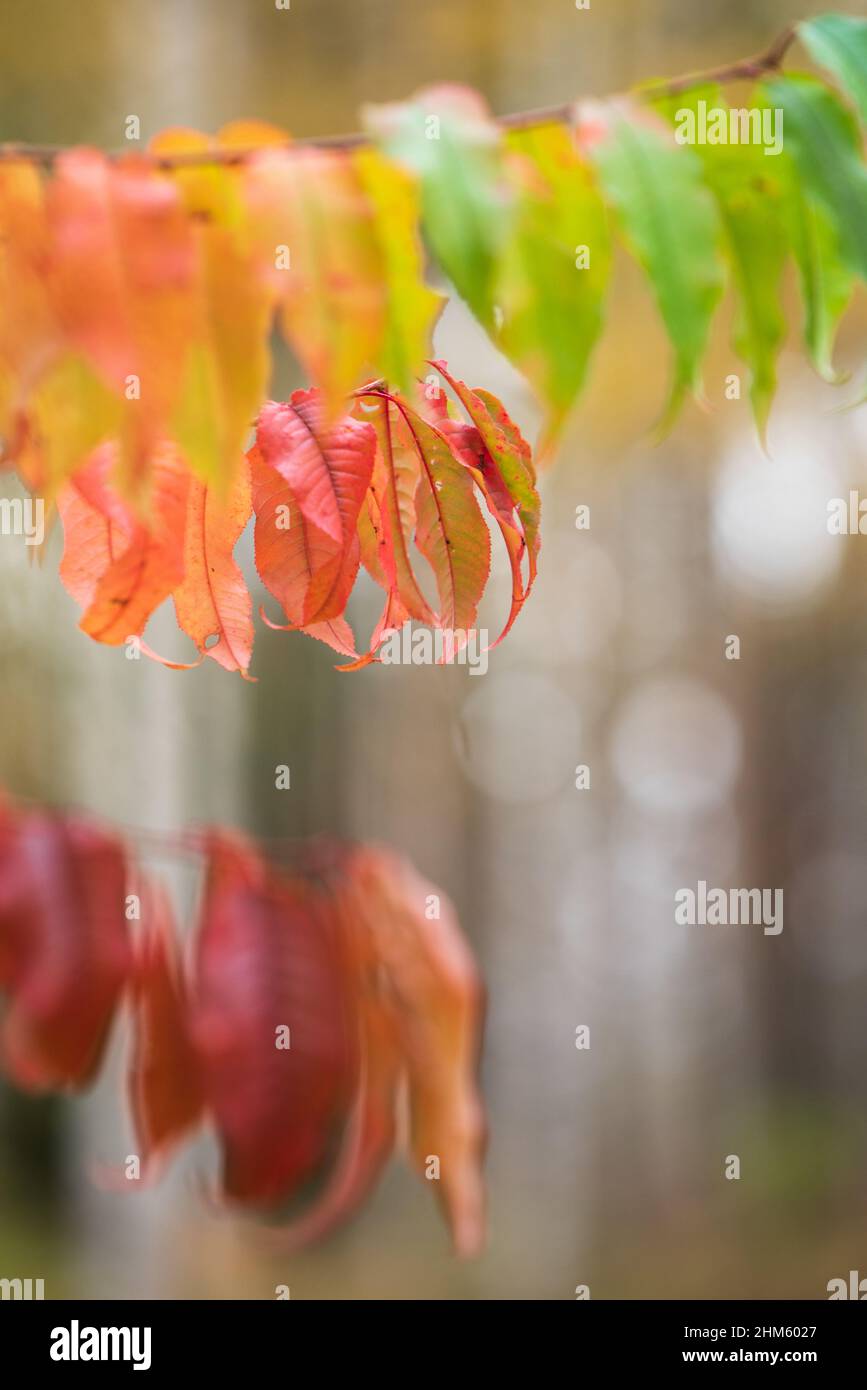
(309, 482)
(507, 474)
(64, 950)
(268, 959)
(369, 1135)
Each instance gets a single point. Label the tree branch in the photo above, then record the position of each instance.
(746, 69)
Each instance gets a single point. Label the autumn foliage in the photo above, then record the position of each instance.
(317, 1005)
(134, 362)
(139, 294)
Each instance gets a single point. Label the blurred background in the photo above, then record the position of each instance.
(606, 1165)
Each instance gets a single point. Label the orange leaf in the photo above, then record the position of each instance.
(436, 995)
(164, 1084)
(229, 362)
(30, 337)
(122, 277)
(113, 565)
(213, 599)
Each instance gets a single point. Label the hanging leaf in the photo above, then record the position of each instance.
(450, 531)
(498, 458)
(838, 42)
(669, 223)
(554, 267)
(309, 480)
(825, 142)
(164, 1082)
(436, 997)
(391, 510)
(412, 308)
(446, 136)
(750, 191)
(114, 566)
(121, 279)
(64, 951)
(212, 600)
(228, 364)
(273, 1025)
(826, 282)
(315, 230)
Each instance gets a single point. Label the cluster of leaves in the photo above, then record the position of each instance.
(327, 496)
(138, 297)
(315, 1002)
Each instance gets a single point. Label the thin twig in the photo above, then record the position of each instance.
(746, 69)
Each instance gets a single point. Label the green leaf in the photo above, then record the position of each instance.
(549, 291)
(826, 283)
(750, 204)
(445, 135)
(825, 141)
(838, 42)
(669, 222)
(750, 195)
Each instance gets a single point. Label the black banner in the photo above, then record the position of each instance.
(84, 1338)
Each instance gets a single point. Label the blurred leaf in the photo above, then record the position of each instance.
(669, 222)
(838, 42)
(164, 1083)
(436, 999)
(750, 193)
(122, 278)
(826, 282)
(549, 298)
(113, 565)
(318, 247)
(412, 308)
(826, 144)
(268, 958)
(446, 136)
(64, 951)
(229, 363)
